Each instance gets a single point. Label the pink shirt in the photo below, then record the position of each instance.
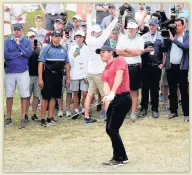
(110, 72)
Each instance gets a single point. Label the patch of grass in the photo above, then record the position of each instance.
(72, 147)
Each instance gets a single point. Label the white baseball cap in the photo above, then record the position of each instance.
(77, 17)
(31, 33)
(132, 25)
(79, 32)
(96, 28)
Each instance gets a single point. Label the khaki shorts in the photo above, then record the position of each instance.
(164, 77)
(95, 84)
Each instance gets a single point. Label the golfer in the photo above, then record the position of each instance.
(117, 101)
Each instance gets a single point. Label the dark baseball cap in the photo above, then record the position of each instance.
(63, 14)
(111, 6)
(60, 20)
(116, 29)
(57, 33)
(103, 48)
(68, 28)
(17, 25)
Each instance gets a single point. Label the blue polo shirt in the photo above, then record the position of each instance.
(54, 53)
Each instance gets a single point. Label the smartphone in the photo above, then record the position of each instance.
(78, 49)
(35, 42)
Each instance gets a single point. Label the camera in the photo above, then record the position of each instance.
(148, 44)
(169, 25)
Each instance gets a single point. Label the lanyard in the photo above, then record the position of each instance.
(152, 39)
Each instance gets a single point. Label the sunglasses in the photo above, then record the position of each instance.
(17, 29)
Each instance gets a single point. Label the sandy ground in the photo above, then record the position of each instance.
(152, 145)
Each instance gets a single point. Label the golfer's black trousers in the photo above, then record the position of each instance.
(177, 76)
(116, 113)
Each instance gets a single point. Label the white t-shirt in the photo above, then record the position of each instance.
(135, 43)
(52, 8)
(78, 64)
(41, 34)
(176, 52)
(16, 9)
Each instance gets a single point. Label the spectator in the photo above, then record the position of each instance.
(39, 30)
(18, 13)
(76, 22)
(177, 65)
(68, 42)
(33, 73)
(107, 20)
(140, 12)
(127, 7)
(7, 25)
(101, 12)
(78, 73)
(181, 12)
(58, 26)
(114, 37)
(142, 17)
(94, 72)
(157, 17)
(64, 16)
(131, 47)
(17, 50)
(53, 58)
(51, 12)
(152, 64)
(84, 27)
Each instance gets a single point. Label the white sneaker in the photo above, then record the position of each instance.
(133, 117)
(83, 110)
(68, 114)
(60, 114)
(76, 110)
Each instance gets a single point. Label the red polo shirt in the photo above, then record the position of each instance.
(110, 72)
